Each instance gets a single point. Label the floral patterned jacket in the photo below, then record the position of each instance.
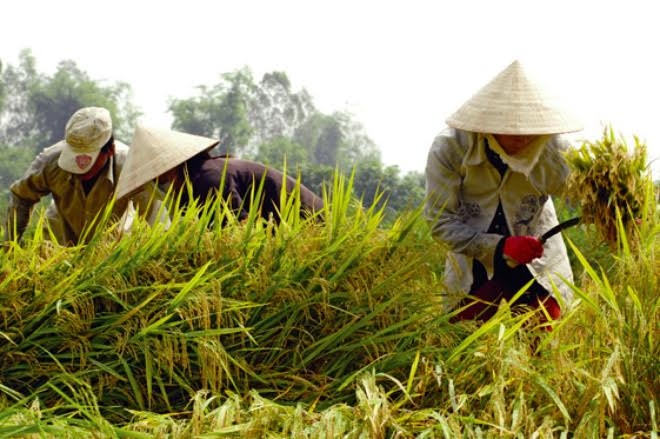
(463, 192)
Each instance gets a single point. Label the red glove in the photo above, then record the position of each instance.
(522, 249)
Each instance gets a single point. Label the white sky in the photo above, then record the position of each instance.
(400, 67)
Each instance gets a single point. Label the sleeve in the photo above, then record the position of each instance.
(552, 171)
(443, 203)
(18, 217)
(25, 193)
(148, 203)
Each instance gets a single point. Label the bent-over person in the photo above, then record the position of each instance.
(80, 172)
(175, 158)
(490, 178)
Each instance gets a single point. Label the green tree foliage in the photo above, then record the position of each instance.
(16, 127)
(377, 184)
(356, 146)
(37, 106)
(248, 116)
(13, 162)
(281, 150)
(336, 140)
(408, 192)
(277, 111)
(219, 111)
(321, 135)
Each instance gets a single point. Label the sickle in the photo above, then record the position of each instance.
(558, 228)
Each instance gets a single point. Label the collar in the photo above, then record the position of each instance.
(525, 160)
(476, 153)
(108, 173)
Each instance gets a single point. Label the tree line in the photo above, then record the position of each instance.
(260, 119)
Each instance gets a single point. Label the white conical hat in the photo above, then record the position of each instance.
(155, 151)
(514, 103)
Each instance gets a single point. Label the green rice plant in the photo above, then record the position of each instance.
(620, 355)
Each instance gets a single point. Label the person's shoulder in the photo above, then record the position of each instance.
(52, 152)
(121, 148)
(121, 152)
(555, 148)
(561, 142)
(454, 140)
(46, 159)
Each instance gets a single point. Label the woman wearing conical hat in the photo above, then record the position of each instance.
(174, 158)
(490, 178)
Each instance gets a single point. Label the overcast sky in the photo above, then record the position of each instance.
(400, 67)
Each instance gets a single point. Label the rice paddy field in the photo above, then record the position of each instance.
(331, 329)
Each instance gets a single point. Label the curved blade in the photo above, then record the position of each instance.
(559, 227)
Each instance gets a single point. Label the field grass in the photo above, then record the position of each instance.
(330, 329)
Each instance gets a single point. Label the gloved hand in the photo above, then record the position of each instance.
(522, 249)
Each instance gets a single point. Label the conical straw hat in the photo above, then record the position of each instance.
(514, 103)
(154, 152)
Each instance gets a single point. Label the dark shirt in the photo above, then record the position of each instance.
(517, 277)
(242, 177)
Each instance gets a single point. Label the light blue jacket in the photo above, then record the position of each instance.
(463, 191)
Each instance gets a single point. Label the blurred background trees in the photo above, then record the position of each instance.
(34, 107)
(260, 119)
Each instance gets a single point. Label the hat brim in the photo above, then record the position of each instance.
(75, 161)
(155, 151)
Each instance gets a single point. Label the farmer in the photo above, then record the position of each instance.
(80, 173)
(490, 176)
(173, 158)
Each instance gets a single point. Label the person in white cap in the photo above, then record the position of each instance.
(173, 158)
(490, 178)
(80, 173)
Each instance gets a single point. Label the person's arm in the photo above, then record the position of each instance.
(551, 173)
(18, 217)
(26, 192)
(443, 203)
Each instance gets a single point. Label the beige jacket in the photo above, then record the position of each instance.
(464, 189)
(72, 211)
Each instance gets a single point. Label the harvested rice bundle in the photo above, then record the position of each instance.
(607, 177)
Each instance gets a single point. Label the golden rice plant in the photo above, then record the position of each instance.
(608, 179)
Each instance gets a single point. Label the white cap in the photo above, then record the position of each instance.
(84, 135)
